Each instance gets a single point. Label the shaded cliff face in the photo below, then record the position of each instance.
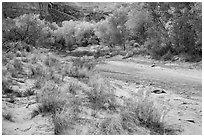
(49, 11)
(57, 11)
(15, 9)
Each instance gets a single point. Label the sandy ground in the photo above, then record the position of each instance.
(182, 98)
(22, 122)
(183, 87)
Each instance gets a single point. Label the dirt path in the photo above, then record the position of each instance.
(183, 82)
(183, 97)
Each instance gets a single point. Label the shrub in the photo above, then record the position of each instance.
(66, 121)
(78, 72)
(103, 32)
(64, 36)
(135, 117)
(74, 33)
(51, 61)
(144, 113)
(50, 98)
(111, 125)
(36, 71)
(62, 123)
(84, 34)
(18, 65)
(29, 92)
(26, 28)
(157, 47)
(83, 62)
(79, 68)
(101, 96)
(112, 31)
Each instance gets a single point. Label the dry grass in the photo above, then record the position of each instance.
(67, 99)
(140, 117)
(51, 61)
(144, 113)
(110, 125)
(51, 100)
(101, 96)
(65, 120)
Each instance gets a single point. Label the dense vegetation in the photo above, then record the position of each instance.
(161, 30)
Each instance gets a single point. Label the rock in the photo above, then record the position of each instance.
(153, 65)
(190, 120)
(158, 91)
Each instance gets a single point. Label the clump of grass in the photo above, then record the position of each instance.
(84, 63)
(38, 83)
(18, 65)
(33, 59)
(101, 96)
(29, 92)
(63, 103)
(79, 72)
(6, 89)
(75, 71)
(51, 101)
(18, 54)
(111, 125)
(65, 121)
(51, 61)
(36, 71)
(8, 116)
(144, 113)
(133, 118)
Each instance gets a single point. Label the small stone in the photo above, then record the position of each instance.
(158, 91)
(190, 120)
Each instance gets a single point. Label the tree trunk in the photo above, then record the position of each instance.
(124, 48)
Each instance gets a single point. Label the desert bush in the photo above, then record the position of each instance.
(29, 92)
(63, 102)
(144, 113)
(62, 123)
(77, 72)
(17, 64)
(112, 30)
(51, 61)
(36, 71)
(54, 99)
(26, 28)
(51, 99)
(101, 96)
(110, 125)
(135, 117)
(83, 62)
(84, 34)
(79, 68)
(102, 30)
(68, 118)
(138, 22)
(18, 46)
(74, 33)
(8, 57)
(64, 36)
(6, 86)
